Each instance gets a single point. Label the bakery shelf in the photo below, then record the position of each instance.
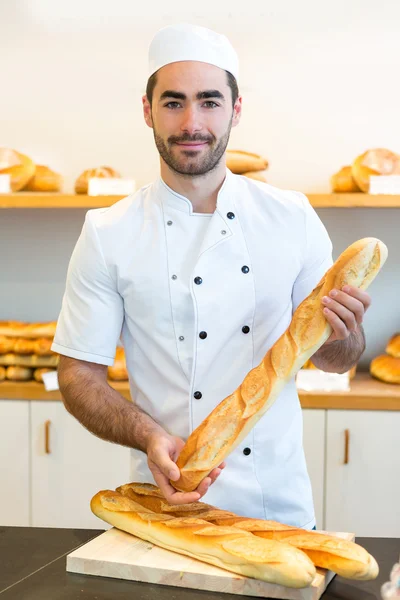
(49, 200)
(366, 394)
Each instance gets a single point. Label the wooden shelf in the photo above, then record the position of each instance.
(366, 394)
(49, 200)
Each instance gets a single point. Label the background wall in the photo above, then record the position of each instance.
(320, 86)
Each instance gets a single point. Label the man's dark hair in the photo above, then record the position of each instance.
(151, 84)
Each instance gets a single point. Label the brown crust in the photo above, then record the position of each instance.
(343, 182)
(21, 168)
(44, 180)
(29, 360)
(393, 346)
(341, 556)
(82, 183)
(233, 418)
(386, 368)
(15, 373)
(118, 372)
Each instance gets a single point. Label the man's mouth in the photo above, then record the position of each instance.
(192, 145)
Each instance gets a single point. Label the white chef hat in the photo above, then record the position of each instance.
(183, 41)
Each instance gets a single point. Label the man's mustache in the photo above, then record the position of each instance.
(173, 139)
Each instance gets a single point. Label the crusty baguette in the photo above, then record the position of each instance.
(19, 373)
(226, 547)
(233, 418)
(6, 344)
(240, 162)
(29, 360)
(345, 558)
(28, 330)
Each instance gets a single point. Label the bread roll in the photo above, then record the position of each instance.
(82, 183)
(118, 372)
(343, 182)
(6, 344)
(23, 346)
(44, 180)
(30, 360)
(258, 175)
(386, 368)
(378, 161)
(233, 419)
(38, 374)
(2, 373)
(20, 168)
(17, 329)
(225, 547)
(42, 346)
(393, 346)
(329, 552)
(15, 373)
(241, 162)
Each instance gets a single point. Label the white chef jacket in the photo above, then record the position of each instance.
(198, 300)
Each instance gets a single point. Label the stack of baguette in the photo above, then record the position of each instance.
(356, 177)
(246, 163)
(256, 548)
(386, 367)
(25, 350)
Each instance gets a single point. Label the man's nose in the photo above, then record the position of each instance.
(191, 120)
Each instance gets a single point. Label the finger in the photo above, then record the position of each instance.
(160, 457)
(170, 493)
(353, 304)
(215, 473)
(203, 486)
(351, 313)
(222, 465)
(361, 295)
(338, 326)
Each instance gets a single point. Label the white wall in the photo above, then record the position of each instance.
(320, 85)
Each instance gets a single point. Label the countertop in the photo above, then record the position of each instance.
(33, 559)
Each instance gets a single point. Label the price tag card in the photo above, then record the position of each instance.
(311, 380)
(50, 381)
(5, 184)
(111, 186)
(384, 184)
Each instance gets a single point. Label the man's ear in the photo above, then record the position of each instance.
(237, 112)
(147, 111)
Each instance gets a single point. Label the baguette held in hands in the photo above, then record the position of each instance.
(345, 558)
(225, 547)
(233, 418)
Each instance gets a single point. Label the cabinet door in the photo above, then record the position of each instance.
(314, 449)
(363, 489)
(14, 463)
(73, 467)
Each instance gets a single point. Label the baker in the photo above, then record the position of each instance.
(199, 274)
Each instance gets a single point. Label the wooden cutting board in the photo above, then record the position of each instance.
(123, 556)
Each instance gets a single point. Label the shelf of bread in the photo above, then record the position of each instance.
(50, 200)
(366, 393)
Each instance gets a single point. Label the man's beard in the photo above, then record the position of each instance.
(193, 163)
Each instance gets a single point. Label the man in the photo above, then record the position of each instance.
(199, 273)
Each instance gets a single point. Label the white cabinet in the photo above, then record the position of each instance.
(363, 492)
(70, 468)
(14, 463)
(314, 449)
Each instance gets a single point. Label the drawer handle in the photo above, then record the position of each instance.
(346, 446)
(47, 436)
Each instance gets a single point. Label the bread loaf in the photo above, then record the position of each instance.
(393, 346)
(44, 180)
(386, 368)
(118, 372)
(241, 162)
(378, 161)
(82, 183)
(226, 547)
(343, 181)
(18, 329)
(29, 360)
(20, 168)
(6, 344)
(233, 418)
(329, 552)
(2, 373)
(15, 373)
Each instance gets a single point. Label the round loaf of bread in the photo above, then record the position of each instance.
(386, 368)
(20, 168)
(241, 162)
(16, 373)
(82, 183)
(393, 347)
(44, 180)
(378, 161)
(343, 182)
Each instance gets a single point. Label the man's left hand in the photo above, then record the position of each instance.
(344, 310)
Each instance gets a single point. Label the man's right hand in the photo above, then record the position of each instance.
(162, 452)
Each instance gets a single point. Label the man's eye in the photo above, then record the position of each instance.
(172, 105)
(209, 102)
